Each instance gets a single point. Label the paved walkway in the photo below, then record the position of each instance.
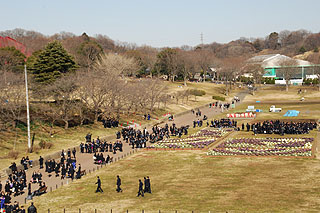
(86, 160)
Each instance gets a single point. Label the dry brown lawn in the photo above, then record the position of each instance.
(189, 180)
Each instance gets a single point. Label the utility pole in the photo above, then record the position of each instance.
(201, 37)
(204, 71)
(27, 101)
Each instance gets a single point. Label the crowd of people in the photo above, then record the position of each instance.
(280, 127)
(223, 123)
(109, 122)
(16, 184)
(159, 133)
(99, 145)
(100, 159)
(136, 138)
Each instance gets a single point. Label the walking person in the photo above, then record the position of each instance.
(145, 185)
(149, 185)
(99, 189)
(140, 192)
(118, 184)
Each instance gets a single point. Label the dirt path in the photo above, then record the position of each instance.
(86, 160)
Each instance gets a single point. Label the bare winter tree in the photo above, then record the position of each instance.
(117, 65)
(288, 70)
(12, 99)
(315, 59)
(205, 60)
(93, 90)
(186, 64)
(230, 68)
(154, 89)
(256, 70)
(149, 57)
(64, 94)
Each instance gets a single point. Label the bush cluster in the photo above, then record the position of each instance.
(219, 98)
(310, 81)
(45, 145)
(197, 92)
(268, 80)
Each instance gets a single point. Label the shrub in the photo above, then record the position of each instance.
(45, 145)
(13, 154)
(268, 80)
(197, 92)
(219, 98)
(310, 81)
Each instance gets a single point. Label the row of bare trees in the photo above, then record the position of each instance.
(103, 90)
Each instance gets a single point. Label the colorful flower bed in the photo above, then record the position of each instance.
(199, 140)
(217, 133)
(265, 147)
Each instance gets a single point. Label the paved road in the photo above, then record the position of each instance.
(86, 160)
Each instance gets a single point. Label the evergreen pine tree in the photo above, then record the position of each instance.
(51, 63)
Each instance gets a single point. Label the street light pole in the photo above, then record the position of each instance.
(27, 101)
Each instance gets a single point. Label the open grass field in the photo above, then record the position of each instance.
(189, 180)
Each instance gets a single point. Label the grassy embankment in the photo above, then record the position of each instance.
(189, 180)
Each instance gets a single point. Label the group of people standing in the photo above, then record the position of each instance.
(109, 122)
(159, 133)
(223, 123)
(280, 127)
(99, 145)
(135, 138)
(15, 185)
(66, 168)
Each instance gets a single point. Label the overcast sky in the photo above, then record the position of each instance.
(162, 23)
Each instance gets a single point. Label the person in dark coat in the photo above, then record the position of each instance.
(140, 192)
(32, 209)
(29, 188)
(63, 172)
(145, 185)
(74, 153)
(41, 162)
(78, 176)
(118, 184)
(149, 185)
(99, 189)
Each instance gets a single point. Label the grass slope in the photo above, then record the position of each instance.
(188, 180)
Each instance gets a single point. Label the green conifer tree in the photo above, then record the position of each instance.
(51, 63)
